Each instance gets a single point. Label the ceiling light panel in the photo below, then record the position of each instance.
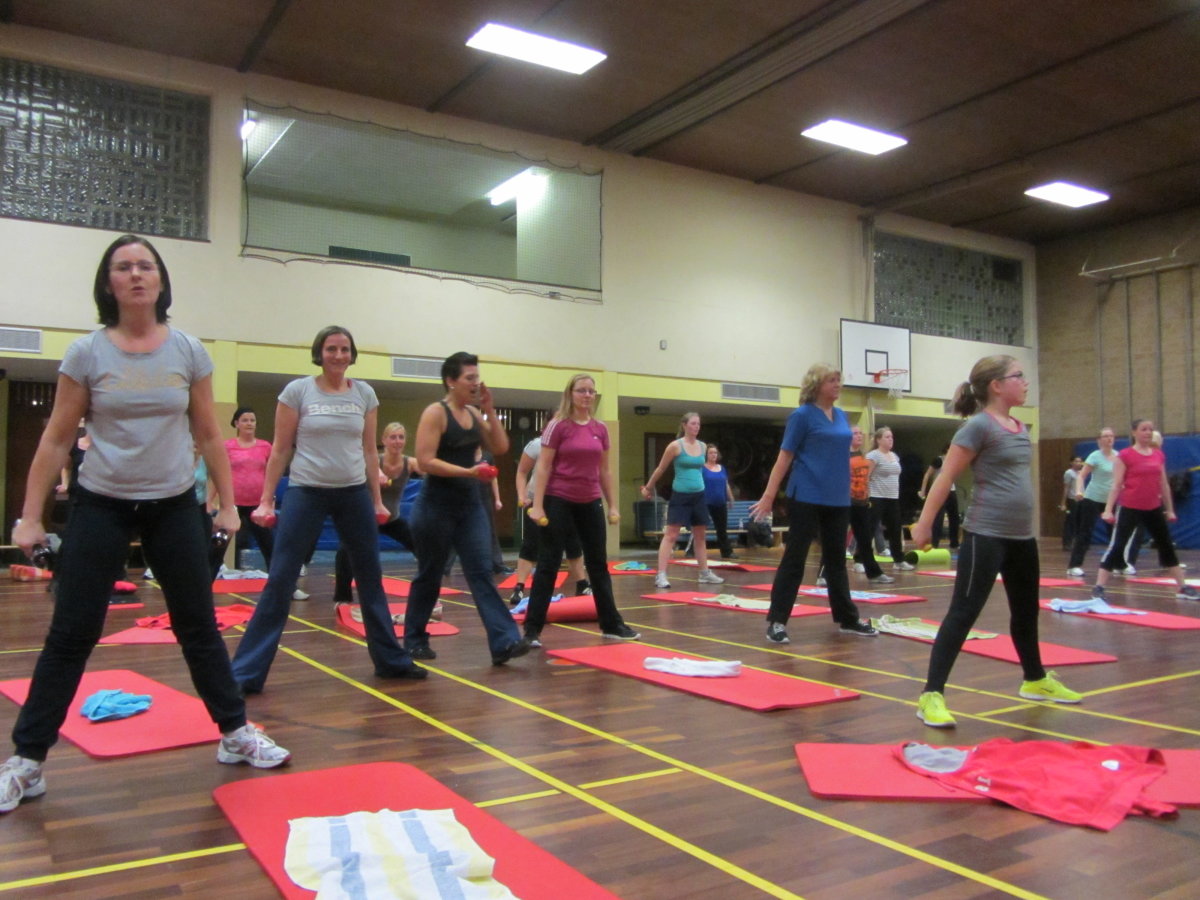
(535, 48)
(1067, 194)
(854, 137)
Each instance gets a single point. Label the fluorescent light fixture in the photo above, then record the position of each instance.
(855, 137)
(247, 129)
(527, 186)
(1067, 194)
(534, 48)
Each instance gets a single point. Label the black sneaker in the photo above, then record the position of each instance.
(512, 651)
(422, 651)
(777, 634)
(518, 595)
(861, 627)
(414, 672)
(583, 587)
(622, 633)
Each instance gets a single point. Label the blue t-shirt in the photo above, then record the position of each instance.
(821, 469)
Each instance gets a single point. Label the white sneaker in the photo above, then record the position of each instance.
(660, 581)
(1075, 572)
(298, 594)
(147, 575)
(708, 576)
(821, 581)
(20, 779)
(303, 570)
(860, 568)
(250, 744)
(1129, 570)
(881, 578)
(904, 567)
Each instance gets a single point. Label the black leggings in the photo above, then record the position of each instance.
(887, 511)
(1155, 522)
(980, 558)
(1088, 512)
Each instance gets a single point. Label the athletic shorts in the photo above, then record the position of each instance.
(687, 509)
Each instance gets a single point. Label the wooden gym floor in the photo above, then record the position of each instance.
(651, 793)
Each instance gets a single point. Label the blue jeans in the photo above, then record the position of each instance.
(446, 519)
(300, 521)
(806, 521)
(586, 520)
(93, 557)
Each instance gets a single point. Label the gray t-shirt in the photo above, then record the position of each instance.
(885, 477)
(137, 414)
(329, 433)
(533, 450)
(1002, 505)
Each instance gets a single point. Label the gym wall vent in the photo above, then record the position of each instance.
(417, 367)
(761, 392)
(21, 340)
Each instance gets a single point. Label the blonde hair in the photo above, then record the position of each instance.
(816, 374)
(878, 434)
(972, 394)
(391, 427)
(567, 403)
(683, 422)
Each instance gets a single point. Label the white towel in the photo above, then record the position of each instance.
(417, 853)
(696, 668)
(1092, 605)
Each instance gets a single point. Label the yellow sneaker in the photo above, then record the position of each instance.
(931, 709)
(1049, 688)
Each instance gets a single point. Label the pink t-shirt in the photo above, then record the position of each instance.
(249, 466)
(578, 449)
(1143, 479)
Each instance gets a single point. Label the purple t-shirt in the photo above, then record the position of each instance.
(578, 450)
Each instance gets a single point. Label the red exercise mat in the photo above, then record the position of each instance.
(131, 603)
(751, 689)
(725, 564)
(174, 719)
(613, 570)
(1001, 647)
(345, 616)
(809, 590)
(1042, 582)
(139, 635)
(259, 809)
(239, 585)
(1140, 579)
(698, 598)
(1149, 620)
(511, 582)
(872, 772)
(568, 609)
(399, 587)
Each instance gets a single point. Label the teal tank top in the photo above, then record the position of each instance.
(689, 477)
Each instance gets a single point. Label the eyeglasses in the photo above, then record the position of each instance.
(583, 390)
(142, 265)
(1020, 375)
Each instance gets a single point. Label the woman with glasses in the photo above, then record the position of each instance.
(572, 476)
(145, 390)
(998, 533)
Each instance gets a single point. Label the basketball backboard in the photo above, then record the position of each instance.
(868, 349)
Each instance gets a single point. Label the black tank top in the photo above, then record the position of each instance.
(458, 447)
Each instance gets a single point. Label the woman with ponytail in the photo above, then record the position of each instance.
(997, 533)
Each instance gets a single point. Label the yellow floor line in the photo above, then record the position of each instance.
(118, 867)
(703, 855)
(518, 798)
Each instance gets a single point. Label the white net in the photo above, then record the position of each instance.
(894, 380)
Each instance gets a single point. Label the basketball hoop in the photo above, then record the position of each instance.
(892, 379)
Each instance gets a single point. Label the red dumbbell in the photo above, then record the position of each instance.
(267, 521)
(488, 473)
(383, 518)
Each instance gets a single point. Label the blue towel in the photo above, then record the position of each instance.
(113, 703)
